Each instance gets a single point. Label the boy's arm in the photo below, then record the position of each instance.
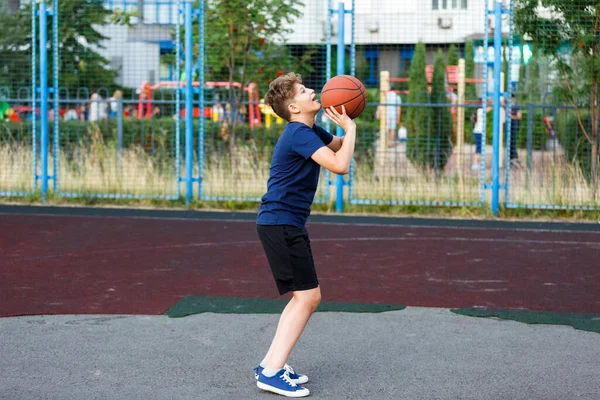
(336, 144)
(338, 163)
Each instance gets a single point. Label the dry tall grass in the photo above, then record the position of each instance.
(99, 169)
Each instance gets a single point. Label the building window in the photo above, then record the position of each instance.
(372, 57)
(406, 56)
(463, 4)
(435, 4)
(128, 6)
(161, 12)
(155, 12)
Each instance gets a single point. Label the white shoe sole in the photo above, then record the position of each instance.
(300, 393)
(299, 381)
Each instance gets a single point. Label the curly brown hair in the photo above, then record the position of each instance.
(281, 93)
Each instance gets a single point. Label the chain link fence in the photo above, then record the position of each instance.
(163, 98)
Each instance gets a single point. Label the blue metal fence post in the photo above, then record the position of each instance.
(44, 97)
(34, 94)
(341, 50)
(508, 103)
(189, 98)
(353, 73)
(328, 181)
(201, 99)
(484, 99)
(55, 91)
(178, 101)
(497, 95)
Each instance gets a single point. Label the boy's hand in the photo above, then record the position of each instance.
(342, 120)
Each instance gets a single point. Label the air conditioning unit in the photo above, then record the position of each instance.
(372, 25)
(445, 22)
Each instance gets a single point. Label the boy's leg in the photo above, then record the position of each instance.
(283, 317)
(290, 257)
(292, 322)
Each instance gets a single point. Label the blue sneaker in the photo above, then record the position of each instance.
(296, 378)
(282, 384)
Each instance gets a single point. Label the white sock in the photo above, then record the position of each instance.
(263, 364)
(270, 372)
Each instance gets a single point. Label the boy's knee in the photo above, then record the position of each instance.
(311, 300)
(316, 300)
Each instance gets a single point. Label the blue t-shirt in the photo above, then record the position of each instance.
(294, 176)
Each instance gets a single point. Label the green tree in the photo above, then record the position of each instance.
(569, 33)
(80, 64)
(247, 44)
(532, 83)
(15, 50)
(470, 88)
(417, 116)
(452, 55)
(440, 143)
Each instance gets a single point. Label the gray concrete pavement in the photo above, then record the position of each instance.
(415, 354)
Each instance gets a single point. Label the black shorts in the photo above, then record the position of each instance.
(288, 250)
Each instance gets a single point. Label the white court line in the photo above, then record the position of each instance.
(391, 225)
(358, 239)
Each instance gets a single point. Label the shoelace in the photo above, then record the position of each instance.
(286, 377)
(288, 369)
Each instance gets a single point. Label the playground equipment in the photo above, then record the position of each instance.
(452, 77)
(145, 108)
(269, 114)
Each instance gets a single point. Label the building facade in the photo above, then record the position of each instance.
(386, 32)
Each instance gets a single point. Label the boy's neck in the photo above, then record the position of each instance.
(304, 118)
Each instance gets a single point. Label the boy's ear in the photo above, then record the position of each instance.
(293, 108)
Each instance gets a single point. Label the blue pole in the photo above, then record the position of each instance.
(201, 100)
(44, 97)
(178, 102)
(33, 95)
(353, 73)
(55, 90)
(328, 77)
(339, 196)
(497, 95)
(353, 41)
(189, 97)
(508, 107)
(485, 90)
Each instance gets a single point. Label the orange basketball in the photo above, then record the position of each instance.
(344, 90)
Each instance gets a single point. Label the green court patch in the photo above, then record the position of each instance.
(584, 322)
(190, 305)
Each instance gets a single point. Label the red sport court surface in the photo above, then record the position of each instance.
(94, 261)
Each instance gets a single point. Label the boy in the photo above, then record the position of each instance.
(516, 115)
(477, 119)
(302, 148)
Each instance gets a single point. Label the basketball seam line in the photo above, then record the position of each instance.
(329, 90)
(349, 100)
(346, 77)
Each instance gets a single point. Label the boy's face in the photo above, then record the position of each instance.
(304, 101)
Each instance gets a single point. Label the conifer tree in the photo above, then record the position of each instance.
(417, 116)
(452, 55)
(440, 144)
